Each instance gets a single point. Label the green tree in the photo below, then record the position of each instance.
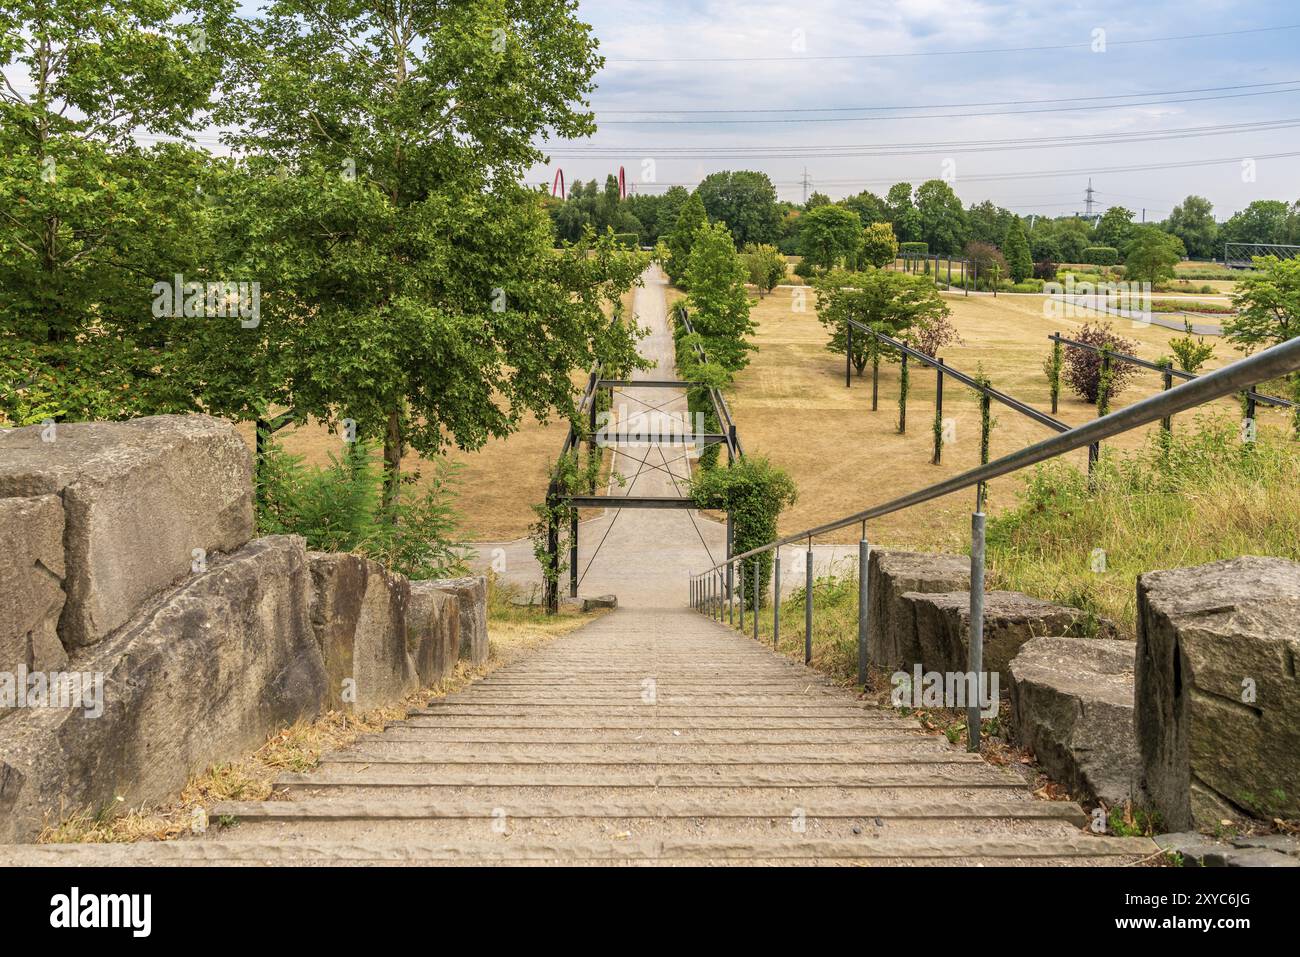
(718, 303)
(91, 220)
(1267, 304)
(766, 267)
(828, 235)
(988, 222)
(746, 202)
(690, 220)
(415, 288)
(879, 247)
(1115, 228)
(1015, 247)
(1263, 221)
(1151, 255)
(902, 213)
(893, 303)
(869, 207)
(942, 219)
(1192, 221)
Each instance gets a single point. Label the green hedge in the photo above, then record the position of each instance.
(913, 250)
(1101, 255)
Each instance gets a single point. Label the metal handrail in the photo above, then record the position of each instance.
(1259, 397)
(1271, 363)
(711, 589)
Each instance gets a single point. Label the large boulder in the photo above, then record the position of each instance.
(1072, 705)
(31, 585)
(433, 631)
(472, 593)
(202, 674)
(891, 631)
(358, 612)
(1010, 619)
(1217, 693)
(138, 498)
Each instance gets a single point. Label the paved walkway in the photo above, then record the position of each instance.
(653, 735)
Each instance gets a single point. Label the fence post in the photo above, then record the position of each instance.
(573, 553)
(875, 379)
(740, 575)
(808, 606)
(730, 573)
(776, 598)
(975, 660)
(552, 559)
(848, 354)
(864, 557)
(938, 414)
(1057, 360)
(1167, 423)
(755, 596)
(902, 396)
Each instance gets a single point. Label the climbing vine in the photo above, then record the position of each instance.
(1052, 366)
(554, 517)
(1105, 380)
(754, 492)
(904, 381)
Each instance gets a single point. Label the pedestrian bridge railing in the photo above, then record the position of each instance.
(712, 590)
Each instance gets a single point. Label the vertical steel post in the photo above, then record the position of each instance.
(848, 353)
(938, 415)
(864, 557)
(902, 396)
(776, 598)
(1167, 423)
(730, 573)
(573, 553)
(975, 661)
(875, 382)
(808, 606)
(740, 576)
(755, 596)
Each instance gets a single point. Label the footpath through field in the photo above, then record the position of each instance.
(653, 735)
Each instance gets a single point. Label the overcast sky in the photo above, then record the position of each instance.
(781, 56)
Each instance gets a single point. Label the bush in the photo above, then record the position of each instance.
(1083, 366)
(1101, 255)
(338, 509)
(913, 250)
(1045, 270)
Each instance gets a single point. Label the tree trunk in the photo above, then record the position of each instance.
(393, 449)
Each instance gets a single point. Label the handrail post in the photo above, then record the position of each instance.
(864, 557)
(875, 379)
(938, 415)
(975, 660)
(902, 396)
(740, 576)
(573, 552)
(755, 595)
(730, 573)
(848, 353)
(776, 598)
(1167, 423)
(808, 606)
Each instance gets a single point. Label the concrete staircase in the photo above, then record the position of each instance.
(646, 737)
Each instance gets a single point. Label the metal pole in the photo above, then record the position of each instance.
(776, 599)
(848, 355)
(875, 382)
(1167, 423)
(740, 574)
(731, 608)
(902, 397)
(573, 553)
(808, 606)
(938, 414)
(975, 664)
(864, 556)
(755, 598)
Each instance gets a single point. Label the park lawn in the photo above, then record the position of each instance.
(496, 486)
(790, 404)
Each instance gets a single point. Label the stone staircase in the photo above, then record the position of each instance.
(648, 737)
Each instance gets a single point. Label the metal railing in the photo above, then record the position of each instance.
(710, 592)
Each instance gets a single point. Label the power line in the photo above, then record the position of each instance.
(1087, 45)
(955, 106)
(1011, 144)
(942, 116)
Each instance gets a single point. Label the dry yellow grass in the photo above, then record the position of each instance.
(791, 405)
(514, 632)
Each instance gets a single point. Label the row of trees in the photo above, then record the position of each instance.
(930, 213)
(399, 273)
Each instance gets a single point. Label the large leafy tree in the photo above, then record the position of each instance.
(691, 218)
(1115, 228)
(409, 280)
(902, 213)
(879, 247)
(988, 222)
(1152, 254)
(894, 303)
(746, 202)
(828, 236)
(1263, 221)
(942, 219)
(90, 219)
(1268, 305)
(718, 302)
(1192, 221)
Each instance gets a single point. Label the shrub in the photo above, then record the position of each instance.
(1045, 270)
(913, 250)
(1101, 255)
(1083, 366)
(765, 265)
